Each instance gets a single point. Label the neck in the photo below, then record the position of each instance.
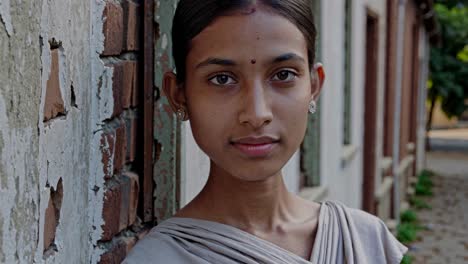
(248, 205)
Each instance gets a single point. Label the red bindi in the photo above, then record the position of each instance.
(253, 61)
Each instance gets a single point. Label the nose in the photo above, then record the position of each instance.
(256, 110)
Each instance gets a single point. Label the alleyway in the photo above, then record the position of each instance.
(445, 239)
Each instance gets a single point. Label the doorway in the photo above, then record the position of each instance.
(370, 113)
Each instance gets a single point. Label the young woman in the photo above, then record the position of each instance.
(246, 80)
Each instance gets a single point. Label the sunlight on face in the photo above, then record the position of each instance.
(248, 88)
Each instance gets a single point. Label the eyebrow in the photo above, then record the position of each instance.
(287, 57)
(216, 61)
(228, 62)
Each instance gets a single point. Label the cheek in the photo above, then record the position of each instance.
(295, 103)
(293, 113)
(208, 123)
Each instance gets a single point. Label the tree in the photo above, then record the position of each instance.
(449, 60)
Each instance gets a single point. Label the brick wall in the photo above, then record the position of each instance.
(120, 149)
(121, 143)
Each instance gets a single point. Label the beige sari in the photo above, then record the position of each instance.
(344, 235)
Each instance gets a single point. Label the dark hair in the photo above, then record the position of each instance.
(192, 16)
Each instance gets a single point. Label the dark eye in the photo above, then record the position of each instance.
(222, 79)
(284, 76)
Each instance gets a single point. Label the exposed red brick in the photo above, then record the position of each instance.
(52, 214)
(120, 205)
(136, 91)
(129, 199)
(132, 126)
(50, 225)
(131, 40)
(114, 150)
(129, 83)
(112, 28)
(124, 203)
(133, 196)
(111, 212)
(117, 87)
(115, 255)
(53, 103)
(120, 147)
(107, 149)
(118, 251)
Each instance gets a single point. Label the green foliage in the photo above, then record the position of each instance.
(449, 60)
(418, 203)
(424, 185)
(423, 190)
(426, 173)
(409, 216)
(407, 259)
(409, 226)
(463, 54)
(453, 3)
(407, 232)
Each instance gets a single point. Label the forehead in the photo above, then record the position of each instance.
(246, 36)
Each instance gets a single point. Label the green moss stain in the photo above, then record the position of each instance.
(21, 93)
(21, 52)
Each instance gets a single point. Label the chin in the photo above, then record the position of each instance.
(255, 174)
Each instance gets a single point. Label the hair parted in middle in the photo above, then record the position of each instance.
(193, 16)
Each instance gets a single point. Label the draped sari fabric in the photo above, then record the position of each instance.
(344, 235)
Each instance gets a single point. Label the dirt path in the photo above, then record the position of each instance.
(446, 240)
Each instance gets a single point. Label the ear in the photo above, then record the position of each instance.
(174, 92)
(317, 80)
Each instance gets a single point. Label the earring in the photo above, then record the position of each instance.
(312, 107)
(181, 114)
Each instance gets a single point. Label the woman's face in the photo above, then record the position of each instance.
(247, 92)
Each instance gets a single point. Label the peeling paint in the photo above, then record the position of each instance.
(34, 154)
(164, 42)
(96, 172)
(165, 126)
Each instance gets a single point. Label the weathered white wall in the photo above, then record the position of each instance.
(332, 98)
(19, 101)
(344, 179)
(35, 155)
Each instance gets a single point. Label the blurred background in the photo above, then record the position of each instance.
(92, 157)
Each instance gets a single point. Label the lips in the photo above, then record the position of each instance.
(255, 146)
